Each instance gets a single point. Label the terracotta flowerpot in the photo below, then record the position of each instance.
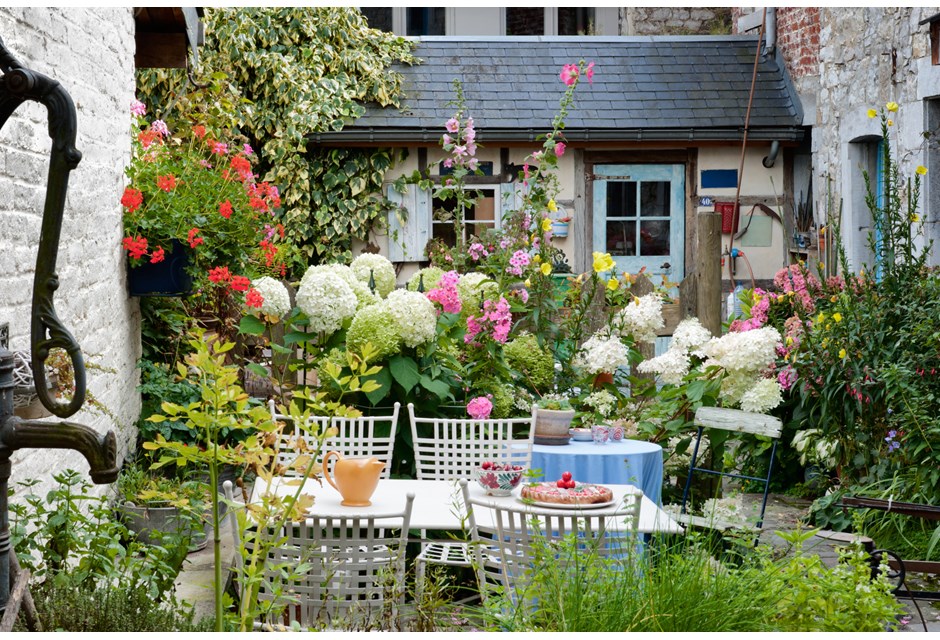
(603, 378)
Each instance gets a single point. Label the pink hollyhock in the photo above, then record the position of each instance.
(569, 74)
(560, 149)
(480, 408)
(452, 125)
(589, 72)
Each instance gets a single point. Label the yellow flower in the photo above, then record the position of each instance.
(921, 170)
(841, 353)
(528, 283)
(552, 206)
(536, 258)
(546, 268)
(546, 224)
(828, 326)
(789, 341)
(892, 107)
(837, 316)
(613, 283)
(825, 342)
(890, 122)
(821, 317)
(602, 262)
(915, 217)
(872, 113)
(833, 298)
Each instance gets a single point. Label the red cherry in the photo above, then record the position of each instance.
(566, 476)
(561, 484)
(570, 484)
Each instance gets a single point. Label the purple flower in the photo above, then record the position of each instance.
(248, 149)
(159, 126)
(138, 108)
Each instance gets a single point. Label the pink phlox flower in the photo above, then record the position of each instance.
(477, 251)
(569, 74)
(220, 148)
(560, 149)
(505, 242)
(589, 72)
(518, 261)
(159, 127)
(474, 327)
(138, 108)
(502, 320)
(480, 407)
(248, 150)
(527, 222)
(452, 125)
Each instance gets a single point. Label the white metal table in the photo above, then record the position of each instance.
(439, 506)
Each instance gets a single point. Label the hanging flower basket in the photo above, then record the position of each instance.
(166, 278)
(559, 229)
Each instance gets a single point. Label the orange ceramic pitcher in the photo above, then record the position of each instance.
(355, 478)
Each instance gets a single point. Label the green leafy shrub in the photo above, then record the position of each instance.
(534, 362)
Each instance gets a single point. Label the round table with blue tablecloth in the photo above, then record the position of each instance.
(624, 462)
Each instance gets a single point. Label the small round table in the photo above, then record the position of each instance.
(625, 462)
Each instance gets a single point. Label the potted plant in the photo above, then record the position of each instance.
(553, 416)
(560, 227)
(193, 206)
(154, 506)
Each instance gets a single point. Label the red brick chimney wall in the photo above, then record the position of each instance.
(797, 38)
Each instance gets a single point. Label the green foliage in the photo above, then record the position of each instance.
(282, 74)
(158, 385)
(72, 538)
(116, 609)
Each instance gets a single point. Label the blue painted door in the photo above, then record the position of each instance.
(639, 217)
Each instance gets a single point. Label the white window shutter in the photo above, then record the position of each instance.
(408, 230)
(511, 194)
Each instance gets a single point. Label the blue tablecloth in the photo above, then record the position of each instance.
(625, 462)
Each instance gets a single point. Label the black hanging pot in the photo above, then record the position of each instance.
(165, 278)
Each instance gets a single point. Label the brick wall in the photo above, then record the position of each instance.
(798, 39)
(91, 52)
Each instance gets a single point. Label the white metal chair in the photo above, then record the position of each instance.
(352, 569)
(739, 422)
(356, 437)
(511, 542)
(450, 449)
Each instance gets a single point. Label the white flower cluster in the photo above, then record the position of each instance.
(762, 397)
(642, 318)
(415, 315)
(730, 511)
(326, 300)
(377, 267)
(743, 351)
(602, 354)
(603, 402)
(364, 294)
(671, 367)
(690, 336)
(679, 462)
(276, 299)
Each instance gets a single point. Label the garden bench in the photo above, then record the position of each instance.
(901, 566)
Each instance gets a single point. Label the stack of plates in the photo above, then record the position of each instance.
(583, 435)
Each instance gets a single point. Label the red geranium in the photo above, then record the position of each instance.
(240, 283)
(254, 299)
(219, 275)
(166, 183)
(225, 209)
(136, 247)
(157, 255)
(132, 199)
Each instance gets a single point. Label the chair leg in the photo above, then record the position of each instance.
(420, 569)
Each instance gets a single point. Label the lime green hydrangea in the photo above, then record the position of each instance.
(535, 363)
(375, 325)
(413, 315)
(364, 295)
(469, 288)
(430, 276)
(379, 268)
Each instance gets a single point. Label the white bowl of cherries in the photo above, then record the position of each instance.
(498, 478)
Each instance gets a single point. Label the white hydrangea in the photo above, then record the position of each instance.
(762, 397)
(745, 351)
(602, 401)
(730, 511)
(689, 336)
(276, 299)
(415, 315)
(642, 318)
(379, 267)
(364, 294)
(602, 354)
(734, 384)
(326, 299)
(671, 367)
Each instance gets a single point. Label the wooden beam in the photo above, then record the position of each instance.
(708, 271)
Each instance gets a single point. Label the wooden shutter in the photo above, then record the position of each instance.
(511, 194)
(408, 230)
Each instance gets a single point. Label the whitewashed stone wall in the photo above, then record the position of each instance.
(653, 21)
(868, 57)
(91, 52)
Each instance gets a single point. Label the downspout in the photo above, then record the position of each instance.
(771, 42)
(771, 157)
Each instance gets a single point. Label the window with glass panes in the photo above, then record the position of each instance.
(638, 218)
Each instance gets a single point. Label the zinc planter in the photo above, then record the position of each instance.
(166, 278)
(551, 426)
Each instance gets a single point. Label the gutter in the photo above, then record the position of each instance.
(419, 135)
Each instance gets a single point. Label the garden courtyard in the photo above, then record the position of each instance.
(405, 388)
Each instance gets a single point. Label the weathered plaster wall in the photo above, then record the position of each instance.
(91, 52)
(652, 21)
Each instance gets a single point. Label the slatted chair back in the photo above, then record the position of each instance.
(512, 542)
(451, 448)
(361, 437)
(349, 570)
(735, 421)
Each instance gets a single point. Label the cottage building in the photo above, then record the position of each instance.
(655, 139)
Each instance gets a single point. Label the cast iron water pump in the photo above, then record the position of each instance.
(17, 85)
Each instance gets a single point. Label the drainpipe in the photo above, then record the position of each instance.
(771, 41)
(771, 157)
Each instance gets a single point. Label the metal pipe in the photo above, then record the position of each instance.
(771, 157)
(771, 42)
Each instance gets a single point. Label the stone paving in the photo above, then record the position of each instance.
(194, 584)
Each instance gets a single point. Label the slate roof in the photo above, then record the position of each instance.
(645, 88)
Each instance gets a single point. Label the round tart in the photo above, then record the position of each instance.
(582, 493)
